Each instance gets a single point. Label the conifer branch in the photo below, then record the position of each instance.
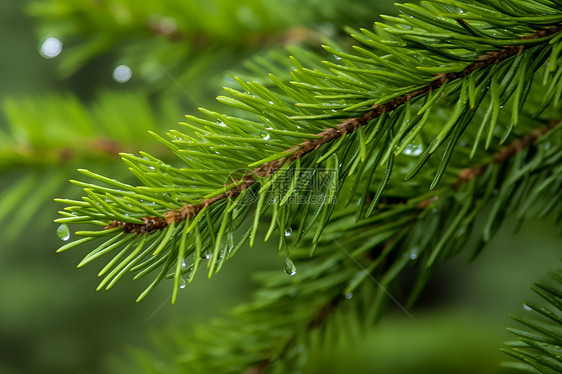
(467, 175)
(188, 211)
(517, 145)
(422, 90)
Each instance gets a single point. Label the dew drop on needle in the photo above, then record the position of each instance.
(290, 267)
(63, 232)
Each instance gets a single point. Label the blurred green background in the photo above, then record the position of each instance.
(53, 321)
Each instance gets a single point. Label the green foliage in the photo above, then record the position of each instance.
(194, 40)
(38, 147)
(273, 128)
(539, 349)
(405, 237)
(371, 163)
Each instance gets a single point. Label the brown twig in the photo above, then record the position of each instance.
(189, 211)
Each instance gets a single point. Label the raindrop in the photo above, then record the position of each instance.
(183, 282)
(271, 103)
(51, 48)
(288, 231)
(527, 307)
(349, 295)
(208, 256)
(264, 135)
(221, 123)
(63, 232)
(183, 264)
(337, 57)
(414, 253)
(290, 267)
(122, 74)
(413, 150)
(152, 168)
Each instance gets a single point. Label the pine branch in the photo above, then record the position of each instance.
(465, 80)
(189, 211)
(268, 335)
(511, 150)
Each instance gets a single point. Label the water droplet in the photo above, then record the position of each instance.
(221, 123)
(337, 57)
(151, 167)
(208, 256)
(63, 232)
(51, 48)
(413, 150)
(183, 282)
(547, 145)
(414, 253)
(527, 307)
(122, 74)
(183, 264)
(264, 135)
(270, 102)
(288, 231)
(349, 295)
(290, 267)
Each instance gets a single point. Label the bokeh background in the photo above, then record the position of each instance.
(53, 321)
